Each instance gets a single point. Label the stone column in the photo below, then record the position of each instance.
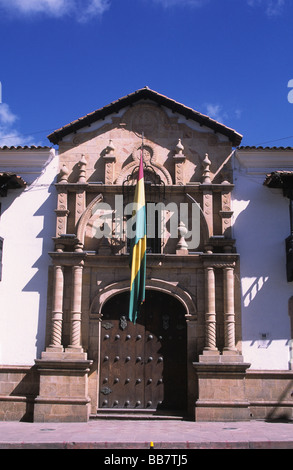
(229, 311)
(75, 330)
(57, 310)
(210, 312)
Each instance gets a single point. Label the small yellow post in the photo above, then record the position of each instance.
(151, 445)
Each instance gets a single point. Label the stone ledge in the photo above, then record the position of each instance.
(222, 403)
(221, 367)
(64, 364)
(63, 401)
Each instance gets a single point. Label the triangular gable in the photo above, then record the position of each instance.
(144, 94)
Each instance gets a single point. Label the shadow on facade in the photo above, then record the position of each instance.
(39, 281)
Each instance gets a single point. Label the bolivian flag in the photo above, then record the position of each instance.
(138, 249)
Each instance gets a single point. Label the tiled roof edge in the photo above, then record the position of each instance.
(145, 93)
(25, 147)
(248, 147)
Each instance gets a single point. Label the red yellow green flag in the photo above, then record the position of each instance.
(138, 249)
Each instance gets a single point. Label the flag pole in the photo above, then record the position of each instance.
(142, 136)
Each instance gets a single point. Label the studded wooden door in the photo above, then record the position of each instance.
(144, 366)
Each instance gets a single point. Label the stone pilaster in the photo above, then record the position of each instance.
(226, 213)
(61, 212)
(110, 160)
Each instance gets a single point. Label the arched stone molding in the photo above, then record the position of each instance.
(149, 158)
(84, 219)
(151, 284)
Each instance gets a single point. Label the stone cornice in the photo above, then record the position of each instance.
(169, 261)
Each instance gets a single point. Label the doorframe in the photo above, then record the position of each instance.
(164, 287)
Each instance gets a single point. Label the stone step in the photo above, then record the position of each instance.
(137, 415)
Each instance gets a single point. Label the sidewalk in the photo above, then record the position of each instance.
(137, 434)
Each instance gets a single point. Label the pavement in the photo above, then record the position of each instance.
(109, 434)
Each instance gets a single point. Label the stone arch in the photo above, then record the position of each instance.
(150, 160)
(84, 219)
(159, 169)
(151, 284)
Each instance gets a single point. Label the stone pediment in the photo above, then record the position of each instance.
(147, 95)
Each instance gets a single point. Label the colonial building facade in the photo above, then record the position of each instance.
(186, 355)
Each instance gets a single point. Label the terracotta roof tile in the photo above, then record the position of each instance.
(25, 147)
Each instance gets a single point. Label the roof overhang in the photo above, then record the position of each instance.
(145, 94)
(10, 181)
(282, 180)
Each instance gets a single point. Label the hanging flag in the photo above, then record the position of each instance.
(138, 248)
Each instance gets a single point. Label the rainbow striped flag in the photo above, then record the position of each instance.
(138, 249)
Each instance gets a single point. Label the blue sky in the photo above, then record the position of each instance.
(229, 59)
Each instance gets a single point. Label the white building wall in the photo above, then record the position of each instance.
(27, 226)
(261, 225)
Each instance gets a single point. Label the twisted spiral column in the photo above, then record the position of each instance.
(75, 331)
(210, 313)
(229, 311)
(57, 310)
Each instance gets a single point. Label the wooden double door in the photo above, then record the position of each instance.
(144, 365)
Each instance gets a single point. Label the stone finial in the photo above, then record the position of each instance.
(64, 172)
(179, 147)
(82, 164)
(182, 247)
(110, 149)
(206, 165)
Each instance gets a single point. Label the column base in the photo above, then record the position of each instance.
(63, 393)
(220, 358)
(63, 354)
(211, 352)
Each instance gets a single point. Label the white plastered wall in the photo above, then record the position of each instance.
(27, 226)
(261, 225)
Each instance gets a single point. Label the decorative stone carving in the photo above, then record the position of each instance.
(110, 159)
(147, 118)
(61, 213)
(82, 169)
(182, 247)
(64, 173)
(149, 157)
(206, 173)
(179, 159)
(226, 214)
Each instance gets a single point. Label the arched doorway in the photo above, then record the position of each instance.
(144, 366)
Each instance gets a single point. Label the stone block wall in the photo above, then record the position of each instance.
(19, 385)
(270, 394)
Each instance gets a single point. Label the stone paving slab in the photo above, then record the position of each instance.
(134, 434)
